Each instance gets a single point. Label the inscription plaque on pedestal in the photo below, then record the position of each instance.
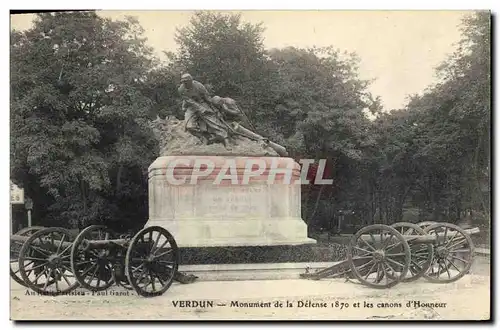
(206, 214)
(231, 201)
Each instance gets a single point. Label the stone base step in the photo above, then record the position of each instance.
(245, 272)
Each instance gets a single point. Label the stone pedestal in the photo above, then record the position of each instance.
(205, 211)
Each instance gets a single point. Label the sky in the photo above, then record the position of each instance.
(399, 49)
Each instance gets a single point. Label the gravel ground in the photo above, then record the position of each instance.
(466, 299)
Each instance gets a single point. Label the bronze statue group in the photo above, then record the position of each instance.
(216, 119)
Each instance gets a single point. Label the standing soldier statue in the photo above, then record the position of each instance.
(207, 118)
(200, 118)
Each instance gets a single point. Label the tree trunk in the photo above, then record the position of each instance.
(478, 177)
(380, 208)
(306, 203)
(317, 201)
(400, 202)
(373, 208)
(119, 179)
(83, 193)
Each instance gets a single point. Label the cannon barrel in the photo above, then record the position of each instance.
(421, 239)
(104, 244)
(86, 244)
(23, 239)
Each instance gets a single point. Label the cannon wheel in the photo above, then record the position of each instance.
(93, 268)
(152, 261)
(421, 254)
(387, 252)
(119, 273)
(45, 257)
(121, 281)
(453, 253)
(15, 247)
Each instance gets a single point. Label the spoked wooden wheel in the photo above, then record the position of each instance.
(93, 267)
(152, 261)
(453, 253)
(386, 253)
(44, 262)
(421, 253)
(15, 248)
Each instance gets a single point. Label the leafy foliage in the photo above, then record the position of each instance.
(79, 133)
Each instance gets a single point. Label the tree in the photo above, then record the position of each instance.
(222, 51)
(80, 143)
(84, 87)
(435, 153)
(228, 56)
(455, 116)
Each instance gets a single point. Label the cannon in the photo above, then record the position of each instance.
(52, 261)
(147, 262)
(382, 256)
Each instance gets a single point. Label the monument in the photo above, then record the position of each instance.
(219, 184)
